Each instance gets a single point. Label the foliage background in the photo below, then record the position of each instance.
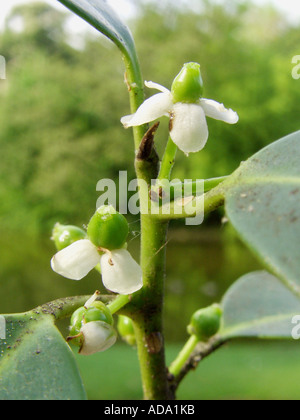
(60, 134)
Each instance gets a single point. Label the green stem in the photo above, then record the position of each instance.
(117, 304)
(199, 353)
(64, 308)
(168, 161)
(135, 85)
(179, 189)
(211, 183)
(178, 364)
(191, 208)
(148, 320)
(146, 306)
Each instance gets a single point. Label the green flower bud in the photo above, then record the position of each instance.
(187, 87)
(97, 311)
(65, 235)
(206, 322)
(92, 327)
(76, 321)
(108, 229)
(126, 330)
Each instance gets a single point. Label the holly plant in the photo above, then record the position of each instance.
(261, 201)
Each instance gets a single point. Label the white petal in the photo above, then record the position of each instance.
(217, 111)
(77, 260)
(152, 85)
(155, 107)
(98, 336)
(188, 127)
(120, 272)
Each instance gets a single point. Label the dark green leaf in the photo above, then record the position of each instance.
(35, 361)
(259, 305)
(262, 203)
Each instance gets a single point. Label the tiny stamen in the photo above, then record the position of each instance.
(107, 251)
(73, 337)
(92, 299)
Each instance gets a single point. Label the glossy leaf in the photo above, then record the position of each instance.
(259, 305)
(262, 202)
(35, 361)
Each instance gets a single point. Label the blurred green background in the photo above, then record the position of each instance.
(60, 111)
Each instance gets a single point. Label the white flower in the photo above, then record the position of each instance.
(188, 127)
(97, 336)
(120, 272)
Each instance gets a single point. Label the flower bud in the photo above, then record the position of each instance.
(65, 235)
(126, 330)
(206, 322)
(187, 87)
(108, 229)
(97, 336)
(77, 321)
(96, 312)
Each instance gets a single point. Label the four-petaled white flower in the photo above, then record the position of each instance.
(120, 272)
(188, 126)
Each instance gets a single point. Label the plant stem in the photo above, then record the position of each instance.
(134, 81)
(64, 308)
(176, 367)
(148, 320)
(146, 305)
(211, 183)
(118, 303)
(178, 189)
(168, 161)
(203, 204)
(201, 351)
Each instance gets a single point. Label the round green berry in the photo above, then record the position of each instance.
(126, 330)
(206, 322)
(65, 235)
(187, 87)
(108, 229)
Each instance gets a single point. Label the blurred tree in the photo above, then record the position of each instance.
(39, 26)
(60, 124)
(60, 107)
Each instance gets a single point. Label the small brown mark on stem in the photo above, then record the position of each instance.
(153, 196)
(147, 143)
(154, 342)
